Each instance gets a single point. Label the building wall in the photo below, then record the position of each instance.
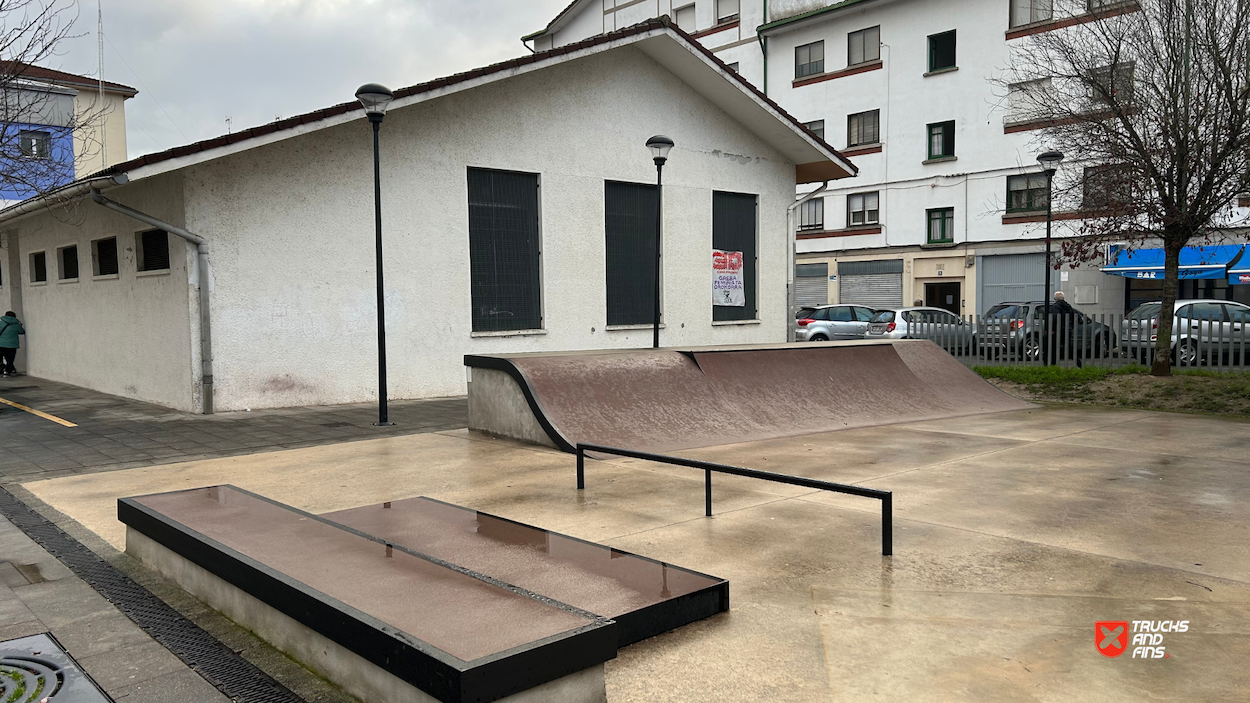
(292, 235)
(127, 334)
(104, 144)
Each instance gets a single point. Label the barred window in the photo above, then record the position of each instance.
(504, 250)
(733, 229)
(152, 250)
(629, 231)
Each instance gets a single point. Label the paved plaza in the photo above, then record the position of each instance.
(1014, 533)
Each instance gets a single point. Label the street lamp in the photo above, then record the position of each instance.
(659, 146)
(375, 99)
(1050, 163)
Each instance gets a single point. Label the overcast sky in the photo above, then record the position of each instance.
(195, 62)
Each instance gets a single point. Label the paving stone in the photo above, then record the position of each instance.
(128, 665)
(184, 686)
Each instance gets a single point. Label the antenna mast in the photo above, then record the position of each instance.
(99, 33)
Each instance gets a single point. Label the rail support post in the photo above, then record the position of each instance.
(887, 525)
(581, 468)
(707, 492)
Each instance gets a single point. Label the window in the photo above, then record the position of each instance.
(104, 257)
(862, 209)
(733, 66)
(863, 46)
(733, 229)
(1027, 193)
(1111, 85)
(1107, 187)
(726, 11)
(942, 225)
(841, 314)
(1243, 201)
(504, 253)
(67, 258)
(1029, 11)
(36, 145)
(684, 17)
(863, 314)
(942, 140)
(817, 127)
(629, 231)
(152, 250)
(812, 214)
(942, 51)
(809, 59)
(863, 128)
(38, 267)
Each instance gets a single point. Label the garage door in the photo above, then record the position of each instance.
(1012, 278)
(875, 284)
(811, 284)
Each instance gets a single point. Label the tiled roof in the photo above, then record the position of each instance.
(343, 108)
(49, 75)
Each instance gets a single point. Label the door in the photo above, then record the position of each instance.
(942, 295)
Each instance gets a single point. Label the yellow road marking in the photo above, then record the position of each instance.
(44, 415)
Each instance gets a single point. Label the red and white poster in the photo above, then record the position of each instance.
(727, 290)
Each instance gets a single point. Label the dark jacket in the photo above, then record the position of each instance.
(11, 327)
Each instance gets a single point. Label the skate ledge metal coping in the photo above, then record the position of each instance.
(424, 666)
(886, 497)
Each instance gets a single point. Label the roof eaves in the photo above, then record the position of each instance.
(552, 23)
(807, 15)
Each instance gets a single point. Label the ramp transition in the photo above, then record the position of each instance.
(667, 399)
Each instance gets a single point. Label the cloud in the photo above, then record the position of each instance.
(254, 60)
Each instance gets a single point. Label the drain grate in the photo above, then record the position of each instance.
(233, 675)
(37, 669)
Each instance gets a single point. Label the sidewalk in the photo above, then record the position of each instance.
(117, 433)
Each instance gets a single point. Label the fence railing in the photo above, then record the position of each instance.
(886, 497)
(1218, 341)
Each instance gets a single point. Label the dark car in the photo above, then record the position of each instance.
(1016, 330)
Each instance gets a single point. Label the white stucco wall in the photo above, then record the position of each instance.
(291, 226)
(127, 334)
(104, 144)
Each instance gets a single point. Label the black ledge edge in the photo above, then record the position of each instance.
(441, 675)
(504, 364)
(657, 618)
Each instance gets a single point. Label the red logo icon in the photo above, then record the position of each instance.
(1111, 638)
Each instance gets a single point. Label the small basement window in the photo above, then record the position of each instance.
(67, 257)
(942, 51)
(38, 267)
(104, 257)
(152, 249)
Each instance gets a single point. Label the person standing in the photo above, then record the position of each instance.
(10, 328)
(1065, 315)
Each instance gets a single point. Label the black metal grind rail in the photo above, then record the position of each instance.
(236, 677)
(886, 497)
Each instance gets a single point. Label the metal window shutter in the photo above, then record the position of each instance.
(811, 290)
(1014, 278)
(874, 290)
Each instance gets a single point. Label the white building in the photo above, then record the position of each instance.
(949, 204)
(516, 199)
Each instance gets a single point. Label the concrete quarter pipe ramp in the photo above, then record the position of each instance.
(666, 399)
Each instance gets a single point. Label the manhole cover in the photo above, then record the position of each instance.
(36, 669)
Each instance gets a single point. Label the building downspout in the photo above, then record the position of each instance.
(201, 247)
(793, 231)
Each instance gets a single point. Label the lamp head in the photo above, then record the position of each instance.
(659, 146)
(1050, 161)
(375, 98)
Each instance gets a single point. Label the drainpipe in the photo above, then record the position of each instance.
(793, 230)
(201, 246)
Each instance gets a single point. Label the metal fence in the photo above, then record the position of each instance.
(1214, 341)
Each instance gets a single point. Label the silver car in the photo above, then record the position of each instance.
(832, 322)
(1200, 327)
(945, 328)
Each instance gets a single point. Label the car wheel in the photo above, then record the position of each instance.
(1185, 353)
(819, 338)
(1032, 350)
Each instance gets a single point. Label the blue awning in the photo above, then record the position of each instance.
(1239, 274)
(1196, 262)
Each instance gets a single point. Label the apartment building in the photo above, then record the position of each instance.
(949, 204)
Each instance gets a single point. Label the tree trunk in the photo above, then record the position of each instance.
(1171, 278)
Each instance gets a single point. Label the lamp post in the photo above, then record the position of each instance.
(375, 99)
(659, 146)
(1050, 163)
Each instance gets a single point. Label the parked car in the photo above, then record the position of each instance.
(1199, 327)
(832, 322)
(945, 328)
(1016, 328)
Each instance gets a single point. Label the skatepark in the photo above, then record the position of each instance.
(1016, 527)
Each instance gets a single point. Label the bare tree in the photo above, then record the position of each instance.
(45, 134)
(1152, 99)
